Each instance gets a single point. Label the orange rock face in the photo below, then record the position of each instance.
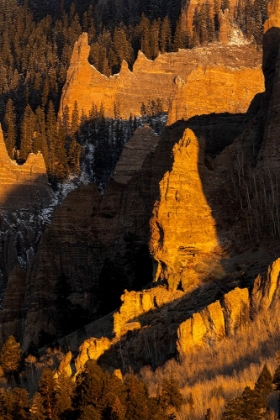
(150, 80)
(183, 231)
(215, 90)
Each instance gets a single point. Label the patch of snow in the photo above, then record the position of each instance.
(237, 38)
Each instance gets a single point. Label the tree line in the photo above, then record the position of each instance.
(100, 395)
(36, 43)
(94, 394)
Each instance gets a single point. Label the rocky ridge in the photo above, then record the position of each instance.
(155, 81)
(177, 324)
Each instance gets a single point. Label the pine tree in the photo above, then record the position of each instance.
(37, 408)
(46, 389)
(171, 395)
(63, 395)
(40, 137)
(9, 128)
(90, 386)
(145, 36)
(75, 119)
(20, 409)
(74, 154)
(137, 407)
(165, 36)
(122, 47)
(11, 356)
(27, 130)
(264, 383)
(254, 405)
(154, 38)
(233, 409)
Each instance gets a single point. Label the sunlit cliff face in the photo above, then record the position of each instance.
(183, 231)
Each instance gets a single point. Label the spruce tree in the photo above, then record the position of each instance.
(171, 394)
(137, 407)
(27, 130)
(46, 389)
(63, 395)
(9, 128)
(165, 36)
(75, 120)
(11, 356)
(264, 383)
(37, 409)
(90, 386)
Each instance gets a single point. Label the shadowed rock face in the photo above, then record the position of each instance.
(97, 245)
(154, 80)
(26, 201)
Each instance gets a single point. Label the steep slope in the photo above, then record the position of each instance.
(26, 204)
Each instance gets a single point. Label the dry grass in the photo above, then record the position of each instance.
(215, 374)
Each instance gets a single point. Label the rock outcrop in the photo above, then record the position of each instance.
(217, 89)
(150, 80)
(183, 231)
(181, 325)
(136, 304)
(216, 321)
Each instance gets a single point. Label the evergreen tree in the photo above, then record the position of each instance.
(264, 383)
(40, 136)
(165, 36)
(46, 389)
(145, 36)
(254, 405)
(122, 47)
(75, 120)
(37, 408)
(27, 130)
(89, 391)
(11, 356)
(63, 395)
(171, 395)
(233, 410)
(9, 128)
(137, 407)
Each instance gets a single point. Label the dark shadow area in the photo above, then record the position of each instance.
(26, 207)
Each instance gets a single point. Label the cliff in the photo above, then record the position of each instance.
(101, 244)
(183, 230)
(25, 203)
(30, 178)
(218, 89)
(152, 80)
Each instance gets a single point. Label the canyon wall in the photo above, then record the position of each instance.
(156, 80)
(26, 203)
(217, 89)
